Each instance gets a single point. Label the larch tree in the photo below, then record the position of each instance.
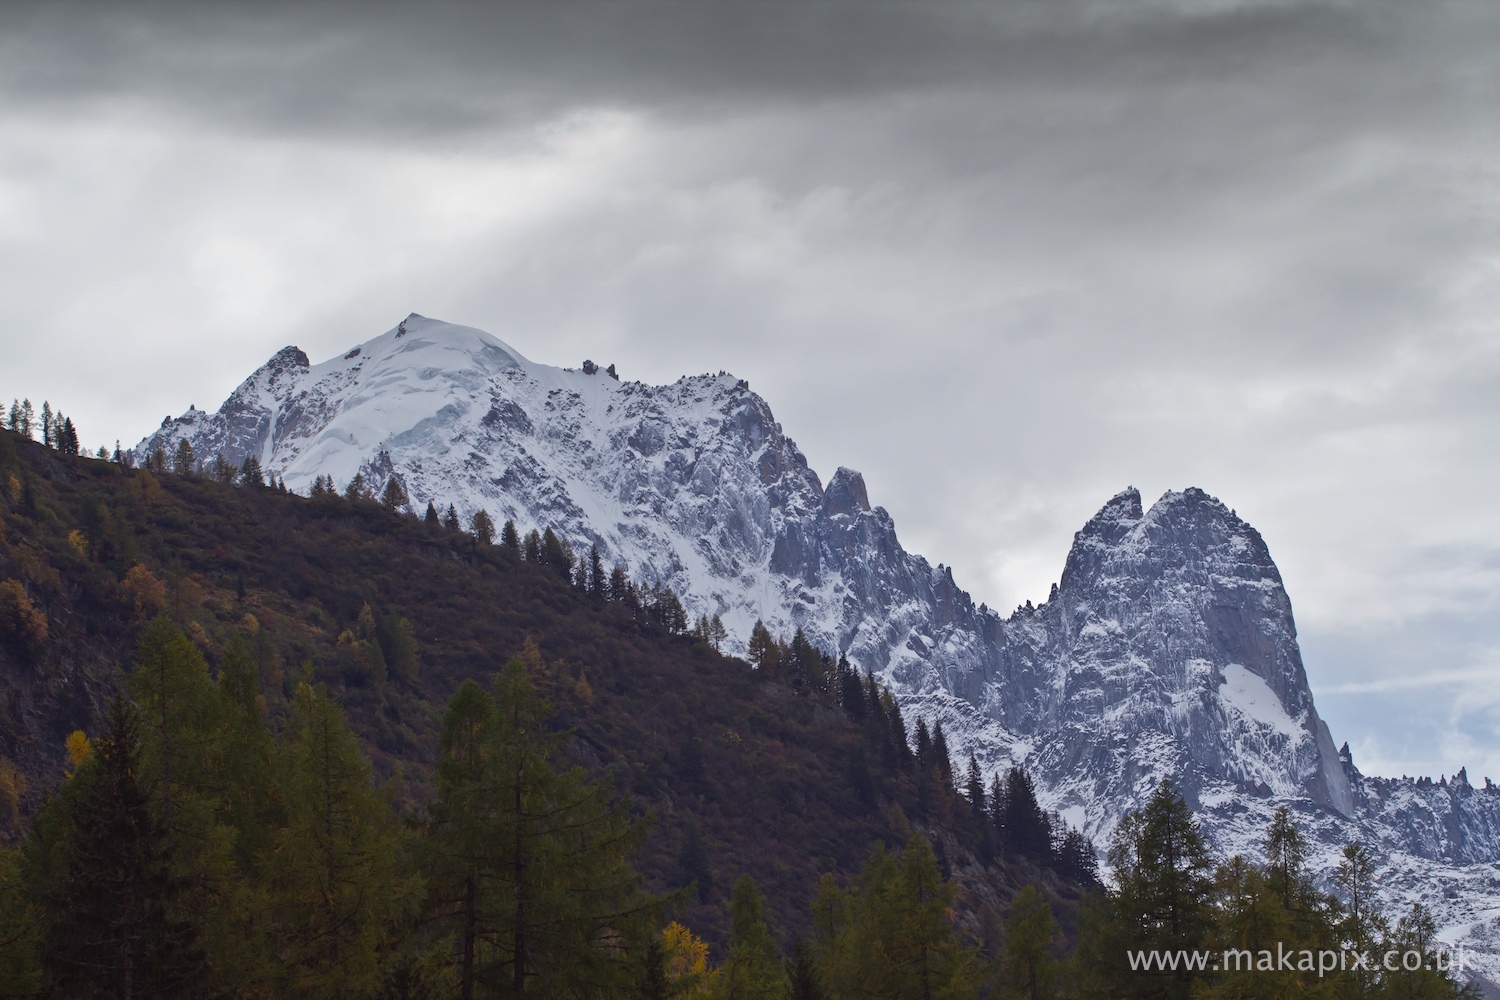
(531, 870)
(1029, 970)
(752, 970)
(339, 887)
(482, 526)
(393, 497)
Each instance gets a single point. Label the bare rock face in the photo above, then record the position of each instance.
(1173, 624)
(1168, 648)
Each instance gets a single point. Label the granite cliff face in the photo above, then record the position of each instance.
(1168, 648)
(1170, 638)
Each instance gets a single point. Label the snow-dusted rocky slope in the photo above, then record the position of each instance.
(1167, 648)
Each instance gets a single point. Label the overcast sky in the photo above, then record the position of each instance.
(1006, 259)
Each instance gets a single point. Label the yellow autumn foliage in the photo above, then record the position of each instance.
(78, 749)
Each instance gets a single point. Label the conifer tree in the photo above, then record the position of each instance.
(598, 582)
(251, 475)
(693, 860)
(900, 747)
(890, 936)
(223, 472)
(450, 519)
(941, 755)
(431, 518)
(619, 584)
(556, 554)
(111, 891)
(974, 789)
(1027, 830)
(482, 527)
(717, 633)
(46, 423)
(752, 969)
(1162, 871)
(762, 648)
(1077, 860)
(803, 979)
(1362, 924)
(1285, 851)
(393, 497)
(532, 872)
(337, 883)
(508, 536)
(1029, 972)
(183, 459)
(20, 926)
(67, 437)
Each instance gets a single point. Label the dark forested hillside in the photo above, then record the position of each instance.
(747, 771)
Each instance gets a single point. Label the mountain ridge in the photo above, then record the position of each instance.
(1168, 648)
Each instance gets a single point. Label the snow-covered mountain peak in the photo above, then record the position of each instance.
(1168, 648)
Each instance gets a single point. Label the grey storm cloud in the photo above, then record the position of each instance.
(1006, 258)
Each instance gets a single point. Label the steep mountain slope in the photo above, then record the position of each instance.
(758, 772)
(1167, 649)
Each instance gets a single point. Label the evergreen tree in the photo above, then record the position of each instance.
(717, 633)
(1285, 852)
(806, 662)
(974, 789)
(899, 745)
(890, 937)
(556, 554)
(619, 584)
(941, 755)
(598, 582)
(183, 460)
(1161, 868)
(1362, 925)
(1027, 830)
(1077, 860)
(803, 980)
(851, 695)
(357, 489)
(251, 475)
(482, 527)
(509, 538)
(393, 497)
(924, 746)
(752, 970)
(67, 437)
(762, 648)
(998, 806)
(693, 860)
(1432, 978)
(46, 423)
(337, 884)
(223, 472)
(20, 924)
(533, 547)
(450, 519)
(1029, 972)
(206, 759)
(431, 518)
(532, 863)
(110, 891)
